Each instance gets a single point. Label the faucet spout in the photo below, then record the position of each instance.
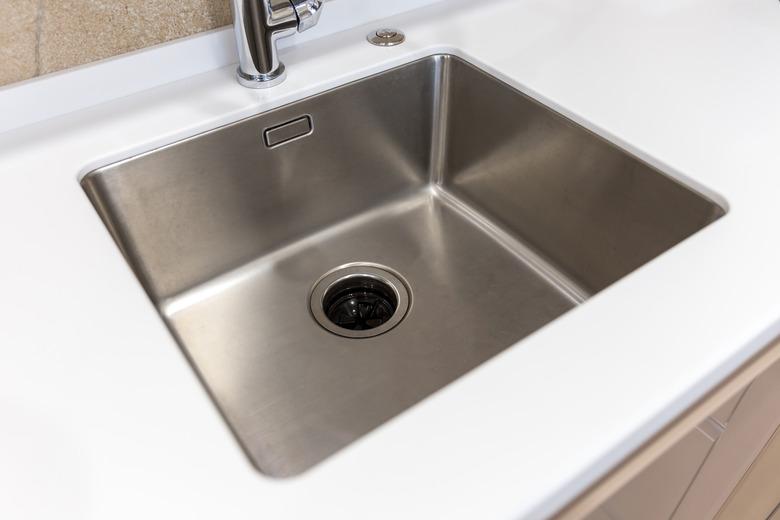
(259, 25)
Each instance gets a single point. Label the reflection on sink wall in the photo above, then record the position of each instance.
(498, 214)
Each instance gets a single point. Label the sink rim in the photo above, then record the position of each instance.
(163, 304)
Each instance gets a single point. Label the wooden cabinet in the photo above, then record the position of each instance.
(657, 491)
(758, 493)
(753, 423)
(727, 468)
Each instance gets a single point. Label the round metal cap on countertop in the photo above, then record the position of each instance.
(386, 37)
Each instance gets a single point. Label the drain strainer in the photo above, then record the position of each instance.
(359, 300)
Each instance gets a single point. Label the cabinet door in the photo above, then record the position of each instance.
(723, 414)
(753, 423)
(759, 491)
(655, 492)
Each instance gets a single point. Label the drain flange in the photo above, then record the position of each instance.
(360, 300)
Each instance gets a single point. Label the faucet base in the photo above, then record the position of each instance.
(262, 80)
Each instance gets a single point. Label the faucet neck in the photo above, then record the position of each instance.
(259, 25)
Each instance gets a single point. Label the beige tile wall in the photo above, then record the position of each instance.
(42, 36)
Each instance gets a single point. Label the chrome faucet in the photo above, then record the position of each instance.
(259, 24)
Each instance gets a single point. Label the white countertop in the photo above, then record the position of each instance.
(103, 417)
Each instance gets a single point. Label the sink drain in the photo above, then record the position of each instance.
(359, 300)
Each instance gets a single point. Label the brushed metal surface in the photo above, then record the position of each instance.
(500, 214)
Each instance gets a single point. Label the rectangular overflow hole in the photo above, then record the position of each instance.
(286, 132)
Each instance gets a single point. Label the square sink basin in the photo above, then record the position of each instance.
(328, 264)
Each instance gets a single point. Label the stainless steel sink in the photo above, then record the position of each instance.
(467, 216)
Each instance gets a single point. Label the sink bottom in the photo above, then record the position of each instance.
(303, 392)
